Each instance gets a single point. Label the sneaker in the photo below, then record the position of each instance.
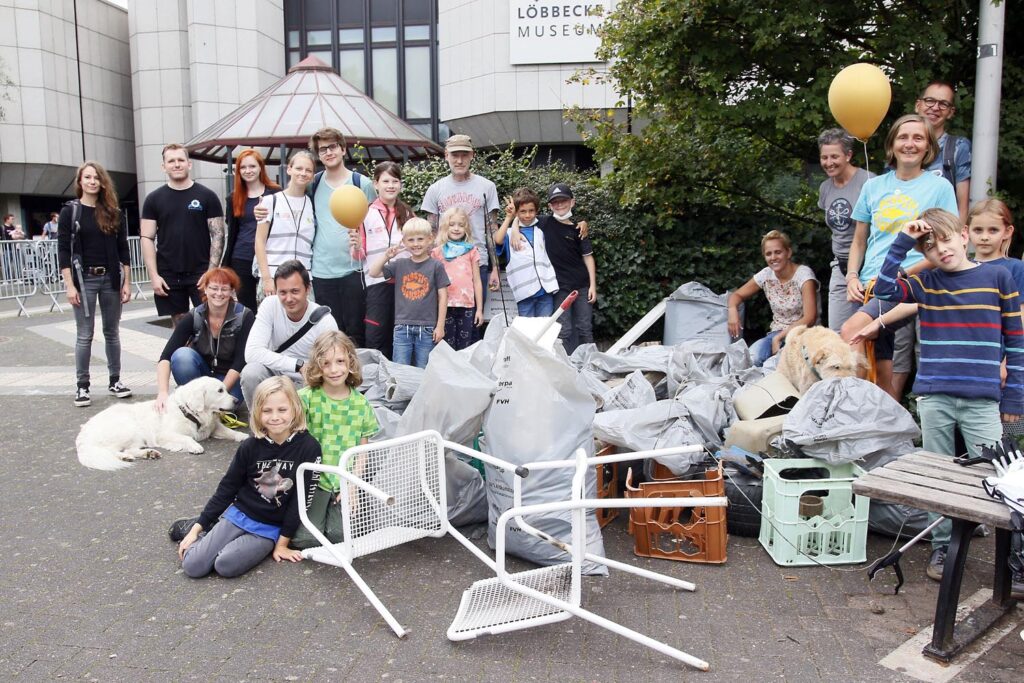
(180, 528)
(1017, 586)
(936, 564)
(119, 390)
(82, 398)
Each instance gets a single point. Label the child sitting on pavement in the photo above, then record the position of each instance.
(338, 417)
(421, 293)
(970, 316)
(530, 273)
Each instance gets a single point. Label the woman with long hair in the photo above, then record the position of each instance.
(251, 183)
(92, 251)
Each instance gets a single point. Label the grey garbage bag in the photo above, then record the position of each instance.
(695, 312)
(452, 398)
(658, 425)
(643, 358)
(709, 405)
(699, 359)
(482, 353)
(539, 412)
(594, 385)
(387, 419)
(845, 419)
(400, 382)
(634, 392)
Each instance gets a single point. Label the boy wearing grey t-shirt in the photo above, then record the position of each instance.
(421, 294)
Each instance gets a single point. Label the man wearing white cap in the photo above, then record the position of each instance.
(476, 195)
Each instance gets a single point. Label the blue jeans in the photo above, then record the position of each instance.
(761, 350)
(412, 345)
(577, 322)
(187, 365)
(537, 306)
(979, 422)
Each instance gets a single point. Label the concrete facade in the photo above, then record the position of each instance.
(496, 102)
(193, 62)
(59, 108)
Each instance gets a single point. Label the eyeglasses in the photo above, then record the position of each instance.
(333, 147)
(219, 290)
(941, 105)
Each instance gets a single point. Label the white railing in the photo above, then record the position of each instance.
(29, 267)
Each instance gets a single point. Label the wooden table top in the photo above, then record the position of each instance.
(935, 483)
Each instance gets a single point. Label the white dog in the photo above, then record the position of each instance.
(812, 354)
(126, 432)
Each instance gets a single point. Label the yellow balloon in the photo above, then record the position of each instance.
(859, 99)
(349, 206)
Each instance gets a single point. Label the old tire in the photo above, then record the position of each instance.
(743, 518)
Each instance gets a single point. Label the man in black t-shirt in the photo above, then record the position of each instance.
(182, 235)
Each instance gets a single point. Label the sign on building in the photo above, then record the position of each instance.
(555, 31)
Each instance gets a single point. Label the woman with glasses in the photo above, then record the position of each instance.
(209, 342)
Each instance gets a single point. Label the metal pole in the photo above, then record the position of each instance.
(989, 77)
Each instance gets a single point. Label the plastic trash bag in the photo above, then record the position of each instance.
(699, 359)
(465, 491)
(452, 398)
(634, 392)
(710, 409)
(539, 412)
(658, 425)
(482, 353)
(845, 419)
(695, 312)
(387, 419)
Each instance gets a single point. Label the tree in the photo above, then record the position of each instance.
(5, 84)
(734, 93)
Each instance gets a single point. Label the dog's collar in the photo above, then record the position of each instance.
(810, 365)
(190, 416)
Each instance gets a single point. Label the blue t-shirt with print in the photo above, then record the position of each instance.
(331, 256)
(886, 203)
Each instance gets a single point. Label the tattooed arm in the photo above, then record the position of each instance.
(216, 240)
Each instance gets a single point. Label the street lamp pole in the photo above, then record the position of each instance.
(987, 96)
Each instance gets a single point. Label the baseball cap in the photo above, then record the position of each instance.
(459, 143)
(559, 191)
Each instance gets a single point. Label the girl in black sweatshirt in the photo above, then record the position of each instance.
(257, 501)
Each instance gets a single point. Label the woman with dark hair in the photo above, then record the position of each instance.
(251, 183)
(92, 252)
(210, 341)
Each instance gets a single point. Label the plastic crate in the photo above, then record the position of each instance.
(695, 534)
(837, 536)
(607, 483)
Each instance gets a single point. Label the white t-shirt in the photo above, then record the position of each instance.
(477, 196)
(785, 298)
(292, 227)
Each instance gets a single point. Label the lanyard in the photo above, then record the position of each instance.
(296, 221)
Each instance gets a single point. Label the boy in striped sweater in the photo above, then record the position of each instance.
(970, 319)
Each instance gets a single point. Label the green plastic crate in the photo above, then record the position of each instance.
(837, 536)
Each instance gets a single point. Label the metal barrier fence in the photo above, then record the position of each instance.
(29, 267)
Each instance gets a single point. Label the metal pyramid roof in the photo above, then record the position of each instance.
(311, 96)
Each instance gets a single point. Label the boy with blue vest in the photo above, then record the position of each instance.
(530, 273)
(970, 318)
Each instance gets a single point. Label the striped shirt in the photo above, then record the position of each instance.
(970, 319)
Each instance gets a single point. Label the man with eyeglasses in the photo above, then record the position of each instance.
(337, 279)
(937, 103)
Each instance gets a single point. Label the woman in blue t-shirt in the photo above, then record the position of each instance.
(885, 204)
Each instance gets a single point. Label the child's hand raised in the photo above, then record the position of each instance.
(916, 229)
(392, 252)
(510, 206)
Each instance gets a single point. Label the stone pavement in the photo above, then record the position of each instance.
(92, 588)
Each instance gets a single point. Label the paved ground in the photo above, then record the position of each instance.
(92, 588)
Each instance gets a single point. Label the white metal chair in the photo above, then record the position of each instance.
(395, 494)
(514, 601)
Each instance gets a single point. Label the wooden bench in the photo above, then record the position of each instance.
(935, 483)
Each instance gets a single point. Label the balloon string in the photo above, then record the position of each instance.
(867, 162)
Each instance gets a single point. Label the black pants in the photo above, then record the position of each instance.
(247, 289)
(380, 317)
(347, 300)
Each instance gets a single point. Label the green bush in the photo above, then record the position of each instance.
(643, 256)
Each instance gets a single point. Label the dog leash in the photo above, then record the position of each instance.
(869, 344)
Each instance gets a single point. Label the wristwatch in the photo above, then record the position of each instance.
(299, 364)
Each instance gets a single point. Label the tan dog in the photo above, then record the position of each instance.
(815, 353)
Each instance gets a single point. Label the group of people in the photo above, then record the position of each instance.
(901, 270)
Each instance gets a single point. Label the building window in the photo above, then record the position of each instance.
(385, 48)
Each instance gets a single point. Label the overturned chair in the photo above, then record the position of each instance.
(399, 486)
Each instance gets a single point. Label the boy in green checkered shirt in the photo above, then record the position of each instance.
(340, 418)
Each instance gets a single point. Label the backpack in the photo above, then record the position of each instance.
(357, 180)
(948, 159)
